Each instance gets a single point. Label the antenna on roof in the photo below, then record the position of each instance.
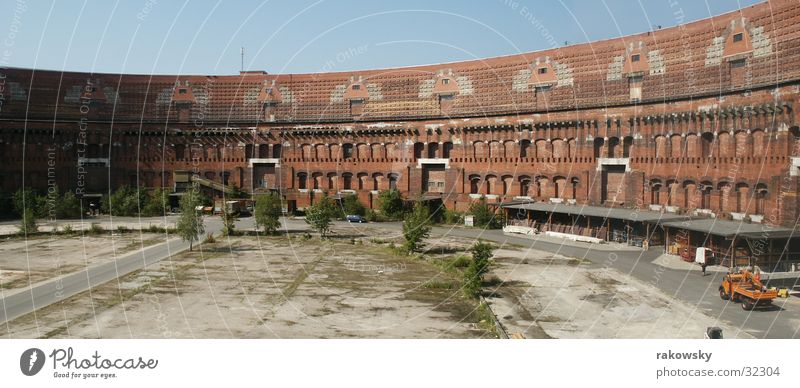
(242, 52)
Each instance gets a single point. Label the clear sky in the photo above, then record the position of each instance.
(295, 36)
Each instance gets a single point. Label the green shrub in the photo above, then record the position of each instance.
(352, 206)
(473, 276)
(320, 215)
(95, 228)
(483, 216)
(453, 217)
(439, 284)
(416, 227)
(460, 261)
(28, 222)
(267, 212)
(391, 204)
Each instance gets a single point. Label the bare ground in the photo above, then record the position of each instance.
(250, 287)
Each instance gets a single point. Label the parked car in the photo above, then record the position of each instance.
(355, 218)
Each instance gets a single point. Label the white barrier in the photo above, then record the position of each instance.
(575, 237)
(526, 230)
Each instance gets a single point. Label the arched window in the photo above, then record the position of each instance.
(474, 184)
(524, 186)
(524, 146)
(707, 142)
(447, 147)
(418, 147)
(761, 198)
(433, 149)
(347, 151)
(598, 146)
(347, 181)
(574, 182)
(705, 194)
(627, 144)
(613, 145)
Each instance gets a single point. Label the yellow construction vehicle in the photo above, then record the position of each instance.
(746, 287)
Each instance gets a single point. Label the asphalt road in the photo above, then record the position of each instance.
(51, 291)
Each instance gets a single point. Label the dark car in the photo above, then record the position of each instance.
(355, 218)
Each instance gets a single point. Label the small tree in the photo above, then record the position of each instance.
(157, 204)
(190, 223)
(483, 216)
(481, 253)
(28, 224)
(351, 205)
(267, 212)
(391, 204)
(319, 216)
(69, 207)
(28, 199)
(228, 220)
(416, 227)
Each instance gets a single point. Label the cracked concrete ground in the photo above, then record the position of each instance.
(27, 261)
(545, 295)
(269, 287)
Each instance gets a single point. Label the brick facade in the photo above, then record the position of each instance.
(700, 116)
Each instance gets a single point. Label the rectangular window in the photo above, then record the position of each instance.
(635, 58)
(356, 87)
(542, 70)
(738, 37)
(445, 81)
(735, 64)
(181, 91)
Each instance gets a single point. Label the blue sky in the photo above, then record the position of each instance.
(296, 36)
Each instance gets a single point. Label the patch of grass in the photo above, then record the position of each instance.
(55, 332)
(485, 319)
(440, 284)
(460, 261)
(492, 281)
(95, 228)
(122, 296)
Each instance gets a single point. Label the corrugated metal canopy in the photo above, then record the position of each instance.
(731, 228)
(596, 211)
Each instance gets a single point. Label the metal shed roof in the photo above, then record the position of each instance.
(730, 228)
(596, 211)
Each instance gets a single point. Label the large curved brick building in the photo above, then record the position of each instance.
(627, 135)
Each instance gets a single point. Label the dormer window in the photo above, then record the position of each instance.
(738, 37)
(542, 70)
(635, 58)
(356, 87)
